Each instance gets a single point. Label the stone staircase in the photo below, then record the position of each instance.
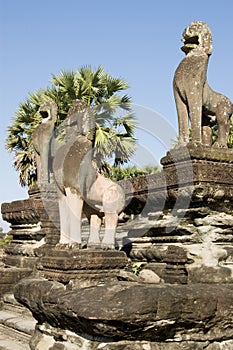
(16, 325)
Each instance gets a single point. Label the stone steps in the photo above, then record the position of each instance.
(16, 325)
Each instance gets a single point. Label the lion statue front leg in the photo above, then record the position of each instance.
(183, 120)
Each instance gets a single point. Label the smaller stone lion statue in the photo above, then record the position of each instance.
(194, 98)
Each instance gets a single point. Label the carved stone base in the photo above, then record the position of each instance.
(210, 170)
(197, 217)
(82, 267)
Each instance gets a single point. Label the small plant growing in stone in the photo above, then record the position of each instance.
(5, 241)
(137, 267)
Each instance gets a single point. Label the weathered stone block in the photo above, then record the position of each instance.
(133, 311)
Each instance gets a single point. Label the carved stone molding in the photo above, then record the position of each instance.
(82, 266)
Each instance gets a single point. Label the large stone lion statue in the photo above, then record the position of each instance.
(68, 153)
(193, 96)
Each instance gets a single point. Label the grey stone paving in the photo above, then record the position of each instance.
(16, 326)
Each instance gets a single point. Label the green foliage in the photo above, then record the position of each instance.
(5, 241)
(115, 133)
(117, 173)
(137, 267)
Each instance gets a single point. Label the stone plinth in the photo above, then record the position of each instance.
(82, 267)
(197, 216)
(209, 170)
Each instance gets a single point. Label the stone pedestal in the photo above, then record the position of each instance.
(206, 172)
(197, 216)
(82, 267)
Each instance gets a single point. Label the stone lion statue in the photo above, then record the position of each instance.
(194, 98)
(82, 191)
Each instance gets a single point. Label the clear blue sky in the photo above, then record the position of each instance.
(136, 40)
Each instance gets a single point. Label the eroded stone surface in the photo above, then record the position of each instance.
(74, 342)
(133, 311)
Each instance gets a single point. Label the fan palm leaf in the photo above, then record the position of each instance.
(114, 134)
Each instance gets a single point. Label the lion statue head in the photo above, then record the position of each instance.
(48, 111)
(197, 36)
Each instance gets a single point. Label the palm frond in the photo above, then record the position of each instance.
(114, 85)
(128, 122)
(114, 134)
(102, 141)
(25, 165)
(64, 81)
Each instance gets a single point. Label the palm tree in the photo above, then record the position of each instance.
(114, 140)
